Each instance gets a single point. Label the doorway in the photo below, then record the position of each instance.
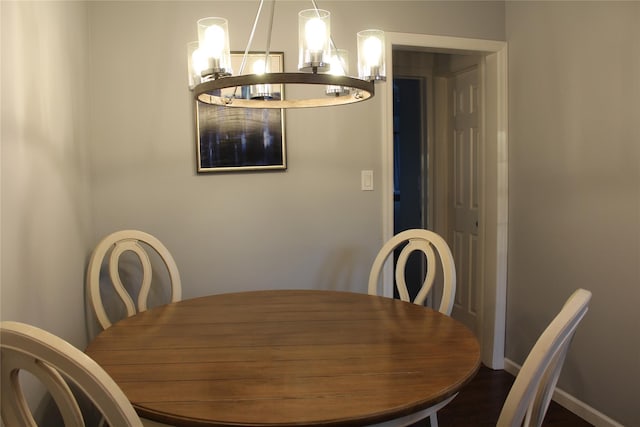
(492, 182)
(439, 157)
(409, 174)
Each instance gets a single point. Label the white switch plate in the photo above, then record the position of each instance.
(366, 180)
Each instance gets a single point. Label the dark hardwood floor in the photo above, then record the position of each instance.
(479, 404)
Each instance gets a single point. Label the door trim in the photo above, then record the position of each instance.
(493, 180)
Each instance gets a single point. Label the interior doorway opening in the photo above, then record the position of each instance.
(492, 181)
(409, 172)
(435, 129)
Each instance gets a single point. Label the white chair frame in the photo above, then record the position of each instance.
(425, 241)
(55, 362)
(120, 242)
(531, 393)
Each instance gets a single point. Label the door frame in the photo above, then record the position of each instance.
(493, 190)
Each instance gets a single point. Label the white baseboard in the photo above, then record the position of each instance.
(564, 399)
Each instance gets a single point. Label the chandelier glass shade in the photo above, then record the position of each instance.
(321, 66)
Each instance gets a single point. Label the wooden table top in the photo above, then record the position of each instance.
(299, 357)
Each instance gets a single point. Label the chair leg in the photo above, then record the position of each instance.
(433, 419)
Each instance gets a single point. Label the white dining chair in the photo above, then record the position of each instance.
(56, 364)
(111, 249)
(436, 252)
(531, 393)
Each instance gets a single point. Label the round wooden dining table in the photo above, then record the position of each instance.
(287, 358)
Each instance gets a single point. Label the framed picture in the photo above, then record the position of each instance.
(243, 139)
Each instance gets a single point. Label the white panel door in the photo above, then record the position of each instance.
(466, 141)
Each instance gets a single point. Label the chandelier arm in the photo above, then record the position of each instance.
(269, 30)
(250, 41)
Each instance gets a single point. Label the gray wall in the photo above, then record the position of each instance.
(574, 190)
(46, 217)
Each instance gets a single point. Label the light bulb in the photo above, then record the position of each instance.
(198, 61)
(372, 51)
(261, 90)
(337, 68)
(315, 31)
(214, 39)
(259, 67)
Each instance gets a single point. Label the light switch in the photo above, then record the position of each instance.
(366, 178)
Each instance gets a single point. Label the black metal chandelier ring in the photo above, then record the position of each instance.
(210, 91)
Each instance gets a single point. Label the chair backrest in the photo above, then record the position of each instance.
(117, 244)
(56, 364)
(531, 393)
(434, 248)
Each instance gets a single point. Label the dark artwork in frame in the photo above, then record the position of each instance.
(242, 139)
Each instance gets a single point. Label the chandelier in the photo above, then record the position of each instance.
(321, 65)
